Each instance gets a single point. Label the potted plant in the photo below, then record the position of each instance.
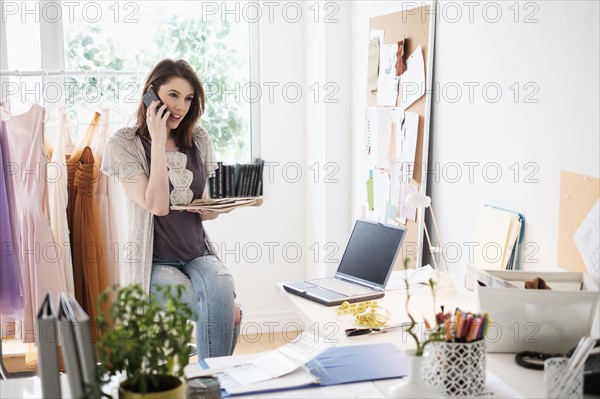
(436, 334)
(413, 385)
(146, 340)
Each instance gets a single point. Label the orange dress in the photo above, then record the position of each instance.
(90, 267)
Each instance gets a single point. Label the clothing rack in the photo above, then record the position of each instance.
(62, 72)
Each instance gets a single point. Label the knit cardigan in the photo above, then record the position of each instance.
(124, 158)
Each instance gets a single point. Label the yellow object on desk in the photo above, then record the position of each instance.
(354, 308)
(367, 313)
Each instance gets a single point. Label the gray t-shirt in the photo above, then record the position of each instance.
(179, 236)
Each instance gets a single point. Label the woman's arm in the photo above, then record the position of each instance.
(152, 193)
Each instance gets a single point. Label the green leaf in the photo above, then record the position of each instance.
(87, 40)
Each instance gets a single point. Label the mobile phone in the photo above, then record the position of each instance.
(151, 96)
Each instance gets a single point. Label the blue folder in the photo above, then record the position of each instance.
(356, 363)
(346, 364)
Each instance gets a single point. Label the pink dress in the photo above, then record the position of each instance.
(39, 252)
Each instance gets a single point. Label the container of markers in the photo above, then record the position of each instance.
(456, 368)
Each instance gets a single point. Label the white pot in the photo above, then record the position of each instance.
(413, 386)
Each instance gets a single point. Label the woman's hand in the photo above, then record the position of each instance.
(157, 124)
(205, 214)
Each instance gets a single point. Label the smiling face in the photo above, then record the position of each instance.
(177, 93)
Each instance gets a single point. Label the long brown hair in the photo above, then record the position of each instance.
(162, 73)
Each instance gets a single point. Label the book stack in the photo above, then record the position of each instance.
(239, 180)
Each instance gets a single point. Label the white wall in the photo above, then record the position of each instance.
(278, 227)
(553, 125)
(558, 57)
(305, 217)
(558, 54)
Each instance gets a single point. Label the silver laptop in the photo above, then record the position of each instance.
(364, 269)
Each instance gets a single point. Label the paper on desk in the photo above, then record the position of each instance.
(233, 371)
(496, 388)
(412, 82)
(297, 378)
(415, 278)
(586, 240)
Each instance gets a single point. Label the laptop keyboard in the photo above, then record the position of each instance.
(341, 286)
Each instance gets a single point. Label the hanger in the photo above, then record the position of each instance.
(46, 113)
(21, 86)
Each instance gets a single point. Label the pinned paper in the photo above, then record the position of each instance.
(400, 61)
(370, 128)
(387, 83)
(376, 39)
(586, 240)
(395, 184)
(409, 131)
(407, 212)
(381, 144)
(390, 213)
(397, 117)
(412, 82)
(381, 185)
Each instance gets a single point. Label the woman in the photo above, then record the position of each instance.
(165, 160)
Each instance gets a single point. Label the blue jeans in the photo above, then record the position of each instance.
(210, 293)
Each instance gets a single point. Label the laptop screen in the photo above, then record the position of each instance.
(371, 251)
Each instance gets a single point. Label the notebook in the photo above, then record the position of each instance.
(46, 338)
(77, 347)
(364, 269)
(499, 236)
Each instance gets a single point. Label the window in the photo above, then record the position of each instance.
(130, 38)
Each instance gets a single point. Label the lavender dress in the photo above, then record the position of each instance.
(10, 285)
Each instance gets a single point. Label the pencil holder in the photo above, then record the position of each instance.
(561, 381)
(456, 369)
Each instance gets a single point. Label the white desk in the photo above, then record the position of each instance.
(528, 383)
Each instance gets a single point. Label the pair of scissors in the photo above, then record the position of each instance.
(352, 332)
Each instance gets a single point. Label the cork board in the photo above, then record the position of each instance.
(578, 193)
(417, 28)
